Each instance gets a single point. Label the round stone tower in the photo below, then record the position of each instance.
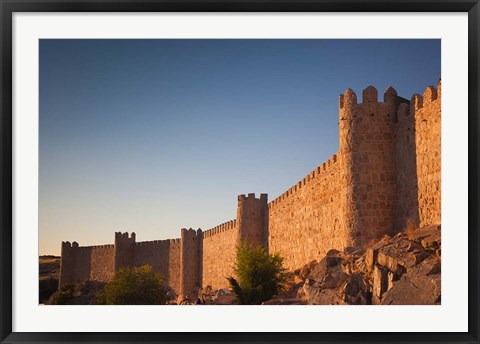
(368, 162)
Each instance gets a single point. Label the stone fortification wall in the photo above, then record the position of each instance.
(86, 263)
(305, 221)
(427, 113)
(219, 254)
(406, 196)
(386, 171)
(174, 264)
(101, 262)
(82, 263)
(162, 255)
(418, 160)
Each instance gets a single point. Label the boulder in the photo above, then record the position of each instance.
(305, 270)
(356, 290)
(380, 280)
(333, 253)
(224, 297)
(372, 252)
(324, 297)
(420, 286)
(402, 269)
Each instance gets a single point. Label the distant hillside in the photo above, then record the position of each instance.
(49, 268)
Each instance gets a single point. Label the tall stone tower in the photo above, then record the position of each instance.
(252, 219)
(67, 263)
(191, 241)
(368, 163)
(124, 250)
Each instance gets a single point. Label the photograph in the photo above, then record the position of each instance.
(213, 172)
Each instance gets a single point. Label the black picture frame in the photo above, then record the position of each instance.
(8, 7)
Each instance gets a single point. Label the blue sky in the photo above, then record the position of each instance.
(154, 135)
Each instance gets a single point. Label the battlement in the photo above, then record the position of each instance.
(67, 245)
(251, 196)
(120, 235)
(430, 95)
(418, 103)
(98, 247)
(350, 108)
(321, 171)
(191, 232)
(165, 242)
(369, 95)
(223, 227)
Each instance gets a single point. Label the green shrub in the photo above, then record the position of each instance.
(134, 286)
(260, 275)
(100, 298)
(65, 294)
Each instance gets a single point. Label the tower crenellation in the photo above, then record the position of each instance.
(370, 95)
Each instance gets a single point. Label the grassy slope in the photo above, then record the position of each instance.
(49, 267)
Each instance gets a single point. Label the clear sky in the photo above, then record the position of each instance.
(154, 135)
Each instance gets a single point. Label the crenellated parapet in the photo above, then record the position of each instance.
(349, 107)
(159, 243)
(325, 170)
(100, 247)
(421, 108)
(223, 227)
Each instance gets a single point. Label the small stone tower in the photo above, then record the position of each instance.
(368, 163)
(67, 263)
(190, 261)
(124, 250)
(252, 219)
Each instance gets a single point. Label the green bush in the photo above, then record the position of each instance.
(260, 275)
(65, 294)
(134, 286)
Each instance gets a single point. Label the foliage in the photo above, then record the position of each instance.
(260, 275)
(65, 294)
(134, 286)
(100, 298)
(46, 288)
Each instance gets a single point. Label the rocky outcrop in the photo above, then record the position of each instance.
(208, 296)
(403, 269)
